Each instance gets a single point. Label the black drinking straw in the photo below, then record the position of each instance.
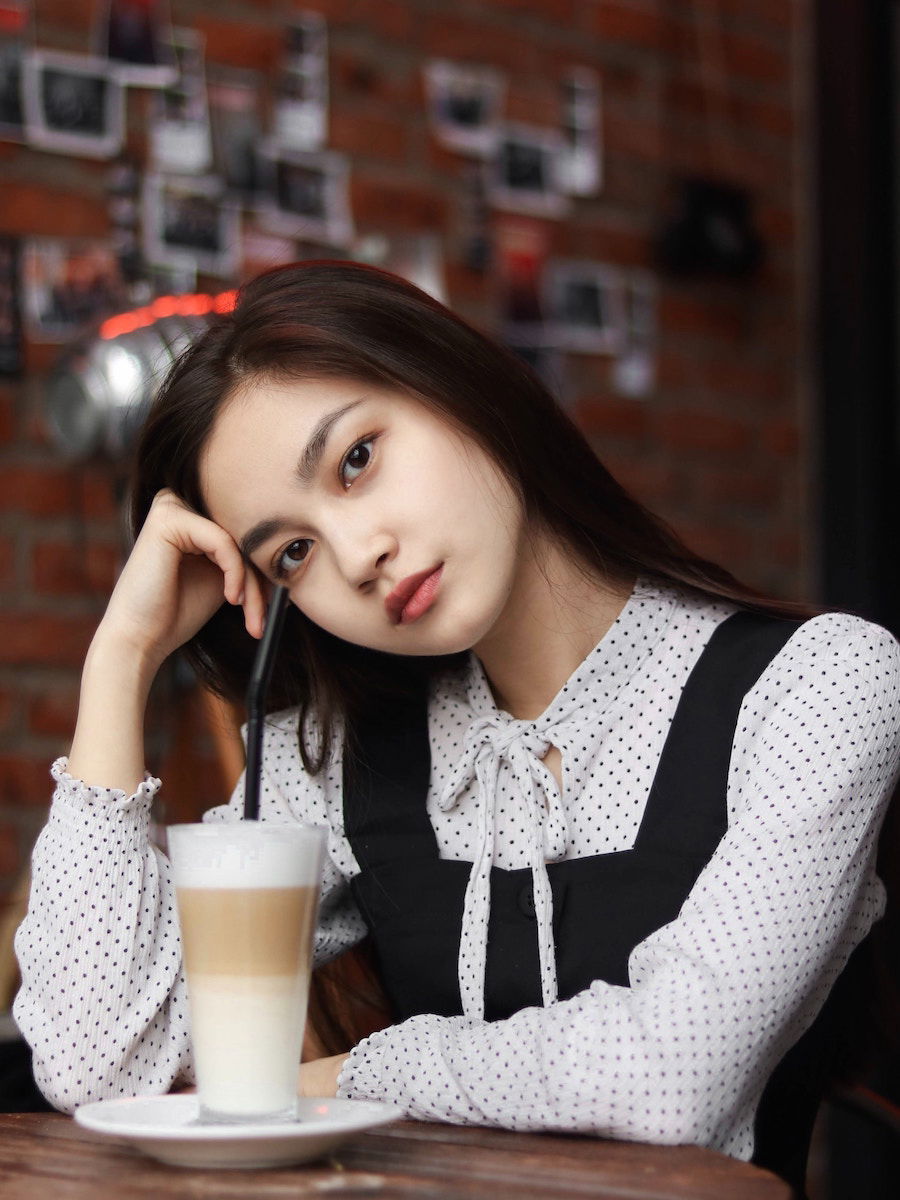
(256, 700)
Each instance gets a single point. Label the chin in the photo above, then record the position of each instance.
(454, 634)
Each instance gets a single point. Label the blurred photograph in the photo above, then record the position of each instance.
(581, 159)
(585, 301)
(136, 36)
(464, 105)
(300, 101)
(72, 104)
(68, 285)
(180, 135)
(306, 195)
(524, 173)
(189, 220)
(13, 28)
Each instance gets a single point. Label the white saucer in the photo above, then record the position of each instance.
(163, 1127)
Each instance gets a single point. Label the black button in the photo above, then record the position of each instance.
(526, 901)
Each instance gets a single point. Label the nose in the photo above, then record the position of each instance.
(362, 557)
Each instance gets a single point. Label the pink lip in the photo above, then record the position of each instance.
(413, 596)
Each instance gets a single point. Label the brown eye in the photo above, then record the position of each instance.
(356, 460)
(293, 555)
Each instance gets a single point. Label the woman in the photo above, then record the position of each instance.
(609, 817)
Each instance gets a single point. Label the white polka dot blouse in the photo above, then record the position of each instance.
(716, 996)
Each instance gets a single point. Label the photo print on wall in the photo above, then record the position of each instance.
(136, 37)
(300, 104)
(14, 24)
(68, 285)
(634, 369)
(464, 105)
(180, 137)
(524, 174)
(305, 195)
(188, 220)
(585, 301)
(72, 104)
(581, 159)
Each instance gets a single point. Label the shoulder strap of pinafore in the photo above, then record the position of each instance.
(697, 752)
(387, 764)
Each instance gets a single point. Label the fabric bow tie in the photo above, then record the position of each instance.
(489, 742)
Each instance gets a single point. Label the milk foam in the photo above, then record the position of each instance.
(254, 854)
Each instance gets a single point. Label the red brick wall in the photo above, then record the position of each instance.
(720, 446)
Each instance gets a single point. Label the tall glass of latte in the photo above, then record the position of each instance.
(247, 900)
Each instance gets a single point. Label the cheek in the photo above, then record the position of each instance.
(460, 490)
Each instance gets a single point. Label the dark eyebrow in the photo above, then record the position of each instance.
(307, 465)
(255, 537)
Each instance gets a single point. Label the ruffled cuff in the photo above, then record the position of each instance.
(76, 794)
(362, 1075)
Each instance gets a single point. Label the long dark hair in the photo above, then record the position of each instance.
(338, 319)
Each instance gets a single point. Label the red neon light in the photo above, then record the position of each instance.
(225, 301)
(192, 305)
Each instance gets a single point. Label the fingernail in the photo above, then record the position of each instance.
(240, 598)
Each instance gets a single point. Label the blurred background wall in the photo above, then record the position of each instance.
(669, 283)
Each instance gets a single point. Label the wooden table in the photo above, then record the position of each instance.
(48, 1155)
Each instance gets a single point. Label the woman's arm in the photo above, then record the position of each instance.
(718, 995)
(103, 1000)
(181, 569)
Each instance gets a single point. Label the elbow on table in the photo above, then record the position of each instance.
(661, 1115)
(68, 1084)
(680, 1127)
(670, 1117)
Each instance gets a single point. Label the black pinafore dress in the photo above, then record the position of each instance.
(603, 905)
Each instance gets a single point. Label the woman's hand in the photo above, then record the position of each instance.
(180, 570)
(319, 1077)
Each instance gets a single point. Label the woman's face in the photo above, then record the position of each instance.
(391, 529)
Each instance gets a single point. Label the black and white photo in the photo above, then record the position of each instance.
(634, 369)
(300, 102)
(180, 136)
(524, 173)
(13, 28)
(465, 104)
(585, 302)
(136, 37)
(72, 104)
(190, 221)
(306, 195)
(581, 161)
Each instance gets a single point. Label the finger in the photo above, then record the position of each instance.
(255, 604)
(192, 534)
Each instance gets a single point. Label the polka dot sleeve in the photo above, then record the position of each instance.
(718, 995)
(103, 1001)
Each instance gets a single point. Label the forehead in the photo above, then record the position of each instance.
(258, 434)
